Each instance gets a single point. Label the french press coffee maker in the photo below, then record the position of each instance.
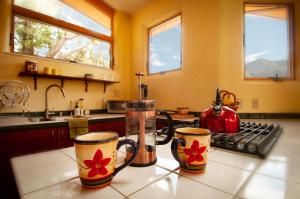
(141, 127)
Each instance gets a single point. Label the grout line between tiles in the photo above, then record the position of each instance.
(49, 186)
(247, 180)
(67, 155)
(171, 170)
(277, 178)
(233, 166)
(215, 188)
(291, 163)
(118, 191)
(156, 180)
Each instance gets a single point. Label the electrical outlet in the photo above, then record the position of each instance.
(255, 103)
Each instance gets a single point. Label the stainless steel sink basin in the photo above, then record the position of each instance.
(58, 118)
(42, 119)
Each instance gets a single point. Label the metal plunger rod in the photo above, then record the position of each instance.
(139, 75)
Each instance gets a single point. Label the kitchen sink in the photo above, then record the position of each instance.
(58, 118)
(41, 119)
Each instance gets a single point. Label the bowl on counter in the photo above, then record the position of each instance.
(182, 110)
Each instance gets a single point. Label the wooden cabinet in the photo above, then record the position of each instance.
(118, 127)
(21, 142)
(28, 141)
(63, 138)
(115, 126)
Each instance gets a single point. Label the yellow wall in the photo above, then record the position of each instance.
(12, 64)
(212, 57)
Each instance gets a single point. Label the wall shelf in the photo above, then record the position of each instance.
(62, 79)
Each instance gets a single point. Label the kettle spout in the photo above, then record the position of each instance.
(218, 103)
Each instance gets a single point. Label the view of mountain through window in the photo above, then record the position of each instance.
(165, 46)
(267, 41)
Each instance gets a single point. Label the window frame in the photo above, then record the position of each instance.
(291, 42)
(48, 20)
(148, 45)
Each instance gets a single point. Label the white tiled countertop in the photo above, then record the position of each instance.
(54, 174)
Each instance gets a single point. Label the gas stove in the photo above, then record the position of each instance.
(254, 138)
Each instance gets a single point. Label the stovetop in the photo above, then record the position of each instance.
(254, 138)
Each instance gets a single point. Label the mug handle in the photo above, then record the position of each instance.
(126, 163)
(174, 146)
(169, 131)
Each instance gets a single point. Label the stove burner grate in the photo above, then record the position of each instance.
(254, 138)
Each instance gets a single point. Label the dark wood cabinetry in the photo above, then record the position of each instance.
(116, 126)
(28, 141)
(22, 142)
(63, 138)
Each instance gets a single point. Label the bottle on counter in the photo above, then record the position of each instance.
(81, 107)
(76, 110)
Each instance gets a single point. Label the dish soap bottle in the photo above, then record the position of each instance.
(76, 110)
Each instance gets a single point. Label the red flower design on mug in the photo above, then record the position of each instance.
(97, 164)
(195, 152)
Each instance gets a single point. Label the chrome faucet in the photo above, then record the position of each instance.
(47, 113)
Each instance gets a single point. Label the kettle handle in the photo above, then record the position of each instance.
(169, 131)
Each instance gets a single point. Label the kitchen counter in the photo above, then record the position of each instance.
(8, 123)
(21, 123)
(54, 174)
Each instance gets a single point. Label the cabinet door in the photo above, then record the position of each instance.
(94, 127)
(118, 126)
(63, 138)
(29, 141)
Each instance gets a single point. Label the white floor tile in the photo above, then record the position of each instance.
(290, 172)
(37, 159)
(132, 179)
(178, 187)
(226, 178)
(165, 146)
(285, 155)
(260, 186)
(32, 179)
(236, 160)
(73, 189)
(165, 159)
(70, 151)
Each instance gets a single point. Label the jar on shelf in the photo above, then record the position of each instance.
(31, 66)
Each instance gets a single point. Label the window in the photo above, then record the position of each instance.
(268, 41)
(165, 46)
(63, 30)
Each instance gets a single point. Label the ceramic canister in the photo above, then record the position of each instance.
(96, 157)
(190, 148)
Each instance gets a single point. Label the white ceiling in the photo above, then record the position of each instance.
(128, 6)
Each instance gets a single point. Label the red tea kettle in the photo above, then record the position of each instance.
(219, 118)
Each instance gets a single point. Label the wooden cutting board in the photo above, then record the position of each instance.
(177, 116)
